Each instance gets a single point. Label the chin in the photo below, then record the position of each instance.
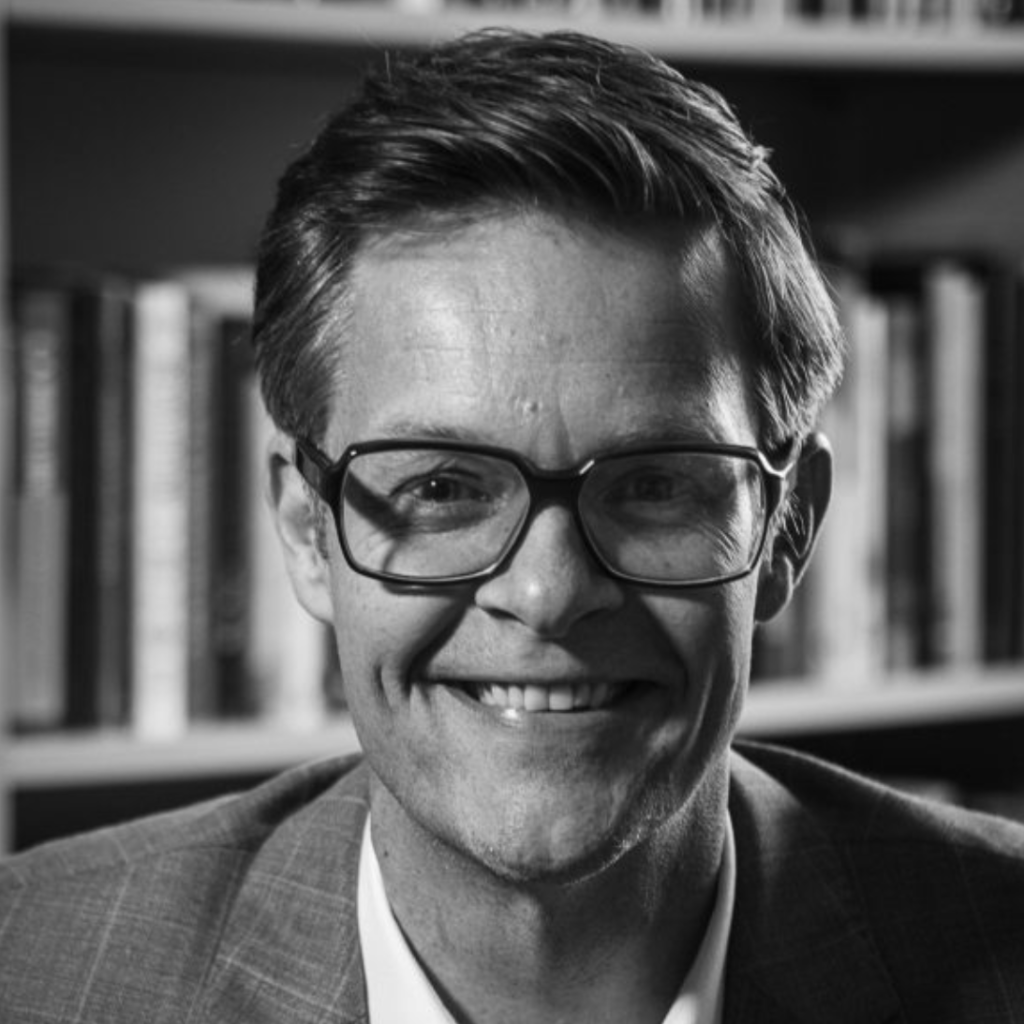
(570, 836)
(548, 844)
(540, 867)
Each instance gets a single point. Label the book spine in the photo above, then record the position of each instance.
(81, 671)
(160, 578)
(1016, 468)
(113, 520)
(846, 635)
(906, 485)
(9, 426)
(204, 371)
(220, 580)
(1004, 468)
(232, 581)
(956, 313)
(41, 339)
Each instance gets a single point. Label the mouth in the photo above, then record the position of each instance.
(563, 698)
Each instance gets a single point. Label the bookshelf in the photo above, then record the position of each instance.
(761, 41)
(784, 708)
(168, 121)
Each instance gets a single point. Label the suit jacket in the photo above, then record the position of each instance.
(854, 905)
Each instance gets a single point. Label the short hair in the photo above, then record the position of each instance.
(563, 121)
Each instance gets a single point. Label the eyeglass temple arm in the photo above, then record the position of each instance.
(312, 465)
(788, 454)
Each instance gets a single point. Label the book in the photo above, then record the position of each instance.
(112, 597)
(906, 485)
(955, 311)
(204, 372)
(41, 345)
(846, 585)
(1014, 464)
(220, 301)
(160, 510)
(76, 434)
(270, 655)
(81, 412)
(151, 588)
(99, 447)
(8, 438)
(1003, 619)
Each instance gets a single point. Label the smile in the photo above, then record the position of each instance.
(566, 697)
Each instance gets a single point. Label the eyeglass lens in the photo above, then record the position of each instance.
(424, 513)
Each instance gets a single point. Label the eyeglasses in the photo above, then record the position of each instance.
(436, 513)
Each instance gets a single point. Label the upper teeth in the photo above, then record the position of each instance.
(564, 697)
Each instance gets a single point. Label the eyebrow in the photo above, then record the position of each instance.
(421, 430)
(662, 430)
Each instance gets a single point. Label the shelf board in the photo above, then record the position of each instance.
(91, 758)
(773, 709)
(755, 42)
(899, 700)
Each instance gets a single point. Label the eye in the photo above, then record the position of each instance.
(653, 487)
(443, 489)
(647, 486)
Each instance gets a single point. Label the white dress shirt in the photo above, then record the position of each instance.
(398, 992)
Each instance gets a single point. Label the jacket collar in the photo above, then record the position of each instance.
(289, 948)
(800, 952)
(801, 949)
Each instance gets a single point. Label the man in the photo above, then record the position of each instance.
(546, 353)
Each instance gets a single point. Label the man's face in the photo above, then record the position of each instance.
(561, 341)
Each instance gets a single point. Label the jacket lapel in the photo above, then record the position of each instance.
(289, 949)
(801, 949)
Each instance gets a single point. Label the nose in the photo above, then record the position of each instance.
(551, 581)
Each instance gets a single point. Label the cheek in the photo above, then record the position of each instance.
(381, 632)
(712, 633)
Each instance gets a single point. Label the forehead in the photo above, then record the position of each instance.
(534, 329)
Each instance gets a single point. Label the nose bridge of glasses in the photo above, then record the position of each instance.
(556, 486)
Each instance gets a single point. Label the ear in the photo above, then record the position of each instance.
(791, 548)
(297, 522)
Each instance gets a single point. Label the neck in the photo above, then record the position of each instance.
(612, 946)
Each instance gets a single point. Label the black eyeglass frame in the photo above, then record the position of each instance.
(544, 487)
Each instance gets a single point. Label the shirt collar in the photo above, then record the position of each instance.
(398, 991)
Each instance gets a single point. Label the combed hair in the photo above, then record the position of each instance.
(497, 120)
